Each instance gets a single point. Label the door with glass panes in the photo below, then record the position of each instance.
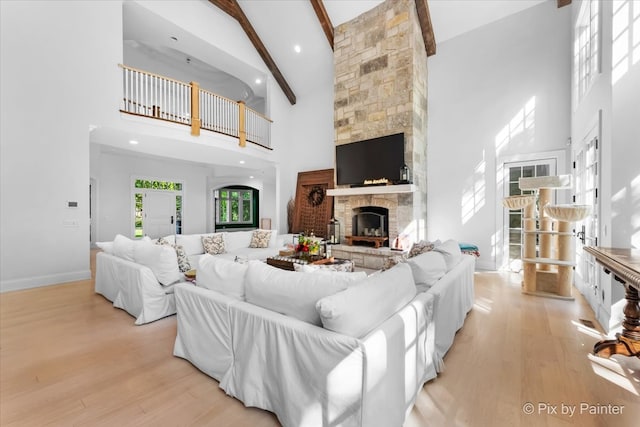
(513, 224)
(586, 159)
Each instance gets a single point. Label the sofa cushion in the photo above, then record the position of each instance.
(234, 240)
(106, 247)
(290, 293)
(214, 244)
(183, 260)
(161, 259)
(450, 250)
(222, 275)
(427, 269)
(192, 243)
(360, 308)
(124, 247)
(260, 239)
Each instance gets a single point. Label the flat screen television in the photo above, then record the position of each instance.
(372, 159)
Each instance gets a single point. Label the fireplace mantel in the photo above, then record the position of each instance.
(373, 189)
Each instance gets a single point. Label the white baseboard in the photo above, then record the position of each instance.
(485, 266)
(38, 281)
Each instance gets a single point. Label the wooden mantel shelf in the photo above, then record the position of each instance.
(373, 189)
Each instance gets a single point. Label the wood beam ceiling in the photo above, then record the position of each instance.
(425, 25)
(233, 9)
(325, 21)
(562, 3)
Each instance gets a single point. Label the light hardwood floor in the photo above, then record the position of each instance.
(68, 358)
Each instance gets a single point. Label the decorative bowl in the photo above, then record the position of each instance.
(518, 202)
(569, 213)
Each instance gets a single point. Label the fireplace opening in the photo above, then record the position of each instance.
(370, 226)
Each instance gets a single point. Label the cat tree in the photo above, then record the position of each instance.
(548, 269)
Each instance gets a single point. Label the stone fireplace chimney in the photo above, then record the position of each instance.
(380, 88)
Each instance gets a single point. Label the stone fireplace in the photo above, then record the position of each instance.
(380, 89)
(370, 221)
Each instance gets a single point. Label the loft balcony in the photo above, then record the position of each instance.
(150, 95)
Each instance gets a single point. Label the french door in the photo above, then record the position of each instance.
(586, 177)
(513, 224)
(160, 213)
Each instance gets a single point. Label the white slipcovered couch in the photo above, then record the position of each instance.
(324, 349)
(139, 278)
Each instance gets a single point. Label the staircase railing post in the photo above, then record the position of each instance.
(195, 109)
(242, 132)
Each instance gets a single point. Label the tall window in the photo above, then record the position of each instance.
(586, 52)
(236, 207)
(141, 188)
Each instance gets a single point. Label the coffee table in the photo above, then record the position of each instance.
(288, 262)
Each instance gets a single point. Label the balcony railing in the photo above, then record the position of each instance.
(150, 95)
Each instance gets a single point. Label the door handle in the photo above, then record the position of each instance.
(581, 235)
(171, 219)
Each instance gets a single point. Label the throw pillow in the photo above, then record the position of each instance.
(427, 269)
(450, 250)
(222, 275)
(420, 247)
(183, 260)
(361, 308)
(213, 244)
(290, 293)
(260, 239)
(393, 260)
(161, 241)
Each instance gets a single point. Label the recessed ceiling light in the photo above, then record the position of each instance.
(258, 81)
(133, 142)
(297, 48)
(242, 162)
(250, 176)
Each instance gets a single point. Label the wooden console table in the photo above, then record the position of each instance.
(625, 266)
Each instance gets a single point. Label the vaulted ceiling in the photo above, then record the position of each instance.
(280, 25)
(275, 27)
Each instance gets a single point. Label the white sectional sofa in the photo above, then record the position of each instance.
(141, 281)
(325, 349)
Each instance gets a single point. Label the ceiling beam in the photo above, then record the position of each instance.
(232, 8)
(562, 3)
(325, 21)
(425, 25)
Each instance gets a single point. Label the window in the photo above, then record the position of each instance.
(513, 220)
(586, 52)
(236, 207)
(141, 189)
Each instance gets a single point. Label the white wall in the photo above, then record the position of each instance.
(480, 84)
(616, 99)
(625, 113)
(56, 76)
(309, 142)
(114, 173)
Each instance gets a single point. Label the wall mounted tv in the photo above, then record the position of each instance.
(372, 159)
